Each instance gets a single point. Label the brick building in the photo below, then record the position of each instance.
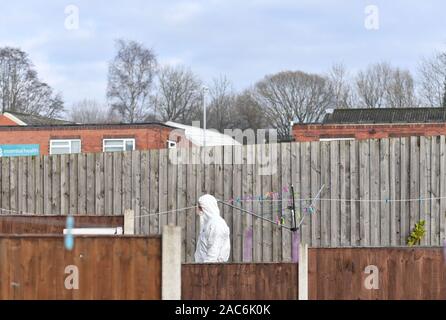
(358, 124)
(28, 135)
(22, 134)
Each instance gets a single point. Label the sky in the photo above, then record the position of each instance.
(72, 42)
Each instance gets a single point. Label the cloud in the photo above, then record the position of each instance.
(183, 12)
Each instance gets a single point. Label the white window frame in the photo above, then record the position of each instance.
(337, 139)
(124, 140)
(69, 141)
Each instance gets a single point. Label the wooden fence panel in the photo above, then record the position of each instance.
(33, 224)
(375, 190)
(400, 273)
(107, 269)
(247, 281)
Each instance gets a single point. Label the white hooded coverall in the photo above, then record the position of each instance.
(213, 243)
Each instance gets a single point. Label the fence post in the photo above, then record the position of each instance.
(129, 221)
(171, 263)
(303, 271)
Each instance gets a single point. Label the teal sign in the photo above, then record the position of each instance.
(19, 150)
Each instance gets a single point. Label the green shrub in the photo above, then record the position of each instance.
(417, 233)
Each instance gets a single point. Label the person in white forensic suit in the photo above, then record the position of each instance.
(213, 243)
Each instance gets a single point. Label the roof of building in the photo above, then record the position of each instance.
(385, 115)
(25, 119)
(92, 126)
(197, 137)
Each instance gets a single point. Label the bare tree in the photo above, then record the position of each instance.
(371, 85)
(130, 80)
(383, 86)
(340, 86)
(293, 96)
(20, 88)
(400, 90)
(91, 111)
(178, 96)
(432, 75)
(248, 113)
(221, 104)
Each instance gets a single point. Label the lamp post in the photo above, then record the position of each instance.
(204, 90)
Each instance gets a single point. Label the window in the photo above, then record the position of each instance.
(65, 146)
(336, 139)
(171, 144)
(112, 145)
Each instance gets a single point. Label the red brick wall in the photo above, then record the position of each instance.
(5, 121)
(314, 132)
(146, 137)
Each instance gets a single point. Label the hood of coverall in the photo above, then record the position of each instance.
(209, 207)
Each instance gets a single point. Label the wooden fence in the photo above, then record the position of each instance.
(32, 224)
(375, 190)
(35, 267)
(402, 273)
(248, 281)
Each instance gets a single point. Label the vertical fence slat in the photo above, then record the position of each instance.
(154, 191)
(117, 183)
(384, 187)
(108, 185)
(395, 191)
(91, 173)
(267, 205)
(285, 190)
(163, 193)
(276, 168)
(442, 176)
(82, 182)
(315, 186)
(247, 191)
(414, 181)
(39, 185)
(47, 183)
(190, 201)
(127, 180)
(181, 197)
(136, 183)
(228, 212)
(99, 184)
(424, 186)
(435, 191)
(375, 169)
(55, 182)
(172, 171)
(6, 201)
(305, 189)
(344, 159)
(335, 215)
(73, 184)
(237, 231)
(14, 190)
(405, 189)
(144, 220)
(326, 194)
(31, 184)
(257, 223)
(354, 194)
(65, 184)
(364, 191)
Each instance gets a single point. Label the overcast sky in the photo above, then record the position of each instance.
(243, 39)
